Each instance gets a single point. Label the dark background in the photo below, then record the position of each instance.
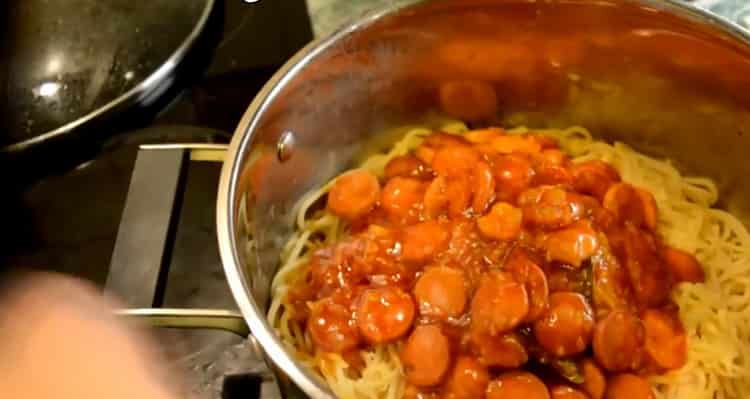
(68, 222)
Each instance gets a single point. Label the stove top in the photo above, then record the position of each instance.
(69, 223)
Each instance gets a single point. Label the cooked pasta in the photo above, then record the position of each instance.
(714, 313)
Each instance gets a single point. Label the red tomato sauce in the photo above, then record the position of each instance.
(504, 269)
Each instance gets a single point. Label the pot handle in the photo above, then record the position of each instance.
(212, 319)
(142, 252)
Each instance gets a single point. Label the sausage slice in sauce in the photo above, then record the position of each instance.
(666, 342)
(525, 271)
(426, 356)
(618, 341)
(566, 327)
(499, 304)
(441, 292)
(384, 314)
(594, 381)
(517, 385)
(467, 380)
(506, 351)
(354, 194)
(682, 265)
(420, 242)
(629, 386)
(332, 327)
(566, 392)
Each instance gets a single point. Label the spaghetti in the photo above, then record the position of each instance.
(714, 313)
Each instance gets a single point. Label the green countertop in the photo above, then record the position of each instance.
(328, 15)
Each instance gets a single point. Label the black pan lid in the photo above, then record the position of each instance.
(68, 62)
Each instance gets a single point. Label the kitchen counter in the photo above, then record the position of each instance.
(327, 15)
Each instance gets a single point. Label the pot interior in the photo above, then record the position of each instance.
(667, 80)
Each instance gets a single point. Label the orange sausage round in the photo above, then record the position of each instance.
(332, 327)
(532, 276)
(682, 265)
(422, 241)
(594, 382)
(550, 207)
(455, 160)
(618, 341)
(384, 314)
(573, 244)
(666, 342)
(629, 386)
(566, 327)
(484, 188)
(441, 292)
(631, 204)
(513, 175)
(435, 198)
(354, 194)
(594, 177)
(426, 356)
(507, 351)
(468, 380)
(401, 198)
(406, 166)
(515, 385)
(503, 222)
(566, 392)
(499, 304)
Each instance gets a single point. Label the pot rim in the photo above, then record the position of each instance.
(245, 132)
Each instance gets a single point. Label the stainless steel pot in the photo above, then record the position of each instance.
(667, 78)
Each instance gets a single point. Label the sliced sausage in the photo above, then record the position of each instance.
(611, 284)
(629, 386)
(499, 304)
(467, 380)
(436, 198)
(515, 385)
(550, 207)
(649, 277)
(506, 351)
(384, 314)
(422, 241)
(509, 144)
(401, 198)
(594, 382)
(525, 271)
(458, 190)
(618, 341)
(455, 160)
(354, 194)
(682, 265)
(407, 166)
(482, 136)
(426, 356)
(666, 342)
(484, 188)
(503, 222)
(332, 327)
(566, 392)
(573, 244)
(441, 292)
(594, 177)
(630, 204)
(566, 327)
(513, 175)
